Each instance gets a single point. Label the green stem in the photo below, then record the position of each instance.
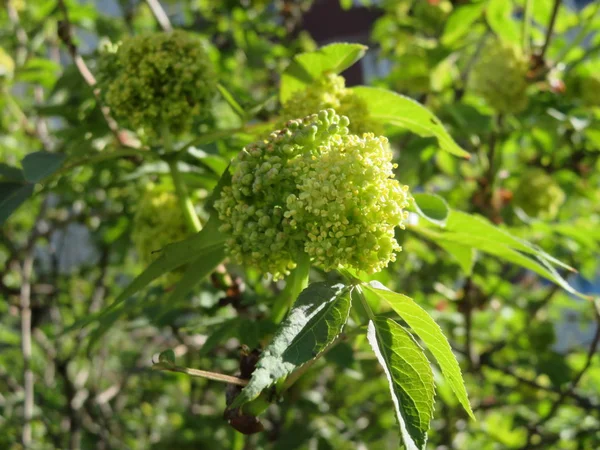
(295, 283)
(184, 199)
(364, 303)
(526, 25)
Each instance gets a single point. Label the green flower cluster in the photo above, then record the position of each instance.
(539, 195)
(327, 92)
(312, 187)
(500, 77)
(156, 81)
(158, 221)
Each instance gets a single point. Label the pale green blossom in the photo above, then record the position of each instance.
(312, 187)
(539, 195)
(500, 77)
(157, 81)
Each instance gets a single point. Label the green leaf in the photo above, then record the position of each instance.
(195, 272)
(232, 102)
(499, 16)
(394, 109)
(431, 334)
(10, 173)
(409, 376)
(313, 323)
(39, 165)
(12, 195)
(432, 208)
(470, 224)
(464, 255)
(460, 22)
(208, 240)
(487, 244)
(306, 67)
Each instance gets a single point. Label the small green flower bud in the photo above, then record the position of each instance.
(327, 92)
(500, 77)
(157, 80)
(539, 195)
(334, 198)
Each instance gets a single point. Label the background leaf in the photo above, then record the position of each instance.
(39, 165)
(12, 195)
(395, 109)
(306, 67)
(431, 207)
(409, 376)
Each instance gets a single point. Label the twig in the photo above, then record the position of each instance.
(550, 29)
(65, 33)
(160, 15)
(202, 374)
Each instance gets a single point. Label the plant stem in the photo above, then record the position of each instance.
(526, 25)
(550, 28)
(184, 199)
(205, 374)
(295, 283)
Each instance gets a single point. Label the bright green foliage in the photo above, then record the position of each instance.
(431, 334)
(158, 221)
(312, 187)
(409, 376)
(500, 77)
(314, 322)
(539, 195)
(329, 91)
(158, 81)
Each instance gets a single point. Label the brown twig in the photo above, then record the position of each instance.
(65, 33)
(550, 29)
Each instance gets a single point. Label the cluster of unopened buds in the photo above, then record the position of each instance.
(314, 188)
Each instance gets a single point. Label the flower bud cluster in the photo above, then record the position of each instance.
(327, 92)
(539, 195)
(157, 80)
(312, 187)
(158, 221)
(500, 77)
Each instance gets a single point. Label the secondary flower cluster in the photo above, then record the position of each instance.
(500, 77)
(539, 195)
(330, 91)
(157, 80)
(158, 221)
(312, 187)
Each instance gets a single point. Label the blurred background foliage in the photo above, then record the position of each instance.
(527, 348)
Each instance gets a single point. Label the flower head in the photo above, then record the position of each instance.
(312, 187)
(330, 91)
(157, 80)
(500, 77)
(539, 195)
(158, 221)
